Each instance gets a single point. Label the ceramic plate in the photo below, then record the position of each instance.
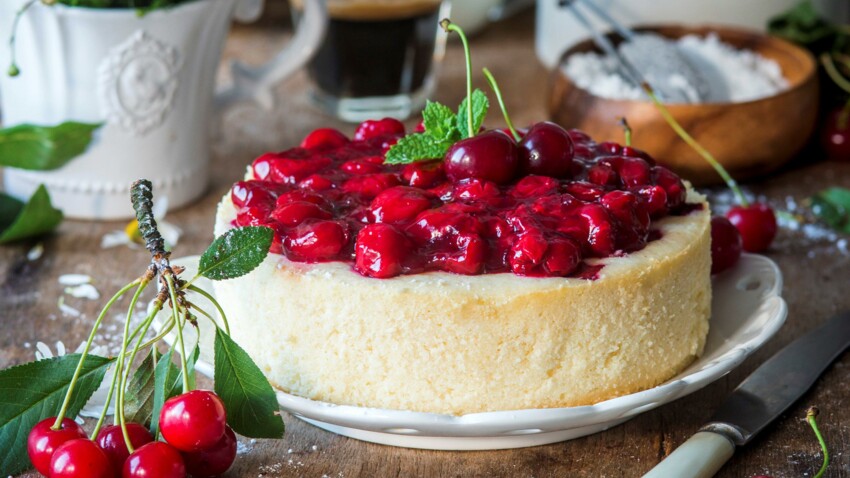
(747, 311)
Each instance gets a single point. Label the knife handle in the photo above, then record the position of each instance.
(699, 457)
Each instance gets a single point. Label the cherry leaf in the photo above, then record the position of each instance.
(34, 391)
(166, 374)
(250, 401)
(138, 400)
(236, 252)
(21, 221)
(44, 148)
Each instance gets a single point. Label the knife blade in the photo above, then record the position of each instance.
(757, 401)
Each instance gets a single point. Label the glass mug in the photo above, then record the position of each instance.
(378, 58)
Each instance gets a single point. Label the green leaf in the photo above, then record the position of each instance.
(801, 24)
(832, 206)
(138, 398)
(34, 391)
(439, 122)
(165, 375)
(416, 147)
(236, 252)
(480, 105)
(44, 148)
(251, 403)
(191, 360)
(20, 221)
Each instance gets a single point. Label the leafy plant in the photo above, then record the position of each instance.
(832, 206)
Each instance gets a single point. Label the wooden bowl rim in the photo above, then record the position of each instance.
(809, 63)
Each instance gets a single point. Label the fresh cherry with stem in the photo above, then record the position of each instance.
(80, 458)
(212, 461)
(725, 244)
(111, 440)
(43, 441)
(193, 421)
(155, 460)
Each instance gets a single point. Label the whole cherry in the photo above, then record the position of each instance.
(491, 155)
(193, 421)
(725, 244)
(43, 441)
(156, 459)
(757, 225)
(111, 440)
(374, 128)
(835, 136)
(212, 461)
(547, 150)
(324, 138)
(80, 458)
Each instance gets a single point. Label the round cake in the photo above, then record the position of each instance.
(406, 287)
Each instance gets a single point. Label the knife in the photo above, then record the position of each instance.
(757, 401)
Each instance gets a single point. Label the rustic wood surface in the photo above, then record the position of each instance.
(816, 288)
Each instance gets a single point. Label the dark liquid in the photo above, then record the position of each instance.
(361, 58)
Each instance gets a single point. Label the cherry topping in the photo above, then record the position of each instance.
(370, 185)
(423, 174)
(43, 441)
(375, 128)
(324, 138)
(192, 421)
(80, 458)
(316, 240)
(601, 239)
(399, 204)
(111, 440)
(757, 225)
(673, 186)
(547, 150)
(562, 257)
(491, 155)
(296, 212)
(212, 461)
(634, 172)
(381, 250)
(527, 252)
(252, 193)
(535, 186)
(725, 244)
(156, 459)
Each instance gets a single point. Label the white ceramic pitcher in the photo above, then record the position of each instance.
(149, 79)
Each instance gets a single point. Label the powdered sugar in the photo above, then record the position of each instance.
(732, 75)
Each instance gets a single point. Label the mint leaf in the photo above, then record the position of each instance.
(439, 121)
(416, 147)
(138, 399)
(480, 105)
(236, 252)
(801, 24)
(34, 218)
(251, 403)
(165, 376)
(34, 391)
(43, 148)
(832, 206)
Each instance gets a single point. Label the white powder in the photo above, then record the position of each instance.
(732, 75)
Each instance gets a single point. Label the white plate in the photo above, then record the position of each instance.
(747, 311)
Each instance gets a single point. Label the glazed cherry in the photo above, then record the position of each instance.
(193, 421)
(527, 252)
(316, 241)
(252, 193)
(80, 458)
(562, 257)
(213, 461)
(381, 251)
(324, 138)
(547, 150)
(296, 212)
(491, 155)
(375, 128)
(399, 204)
(155, 460)
(757, 225)
(725, 244)
(423, 174)
(111, 440)
(835, 137)
(43, 441)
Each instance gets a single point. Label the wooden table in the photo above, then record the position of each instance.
(816, 287)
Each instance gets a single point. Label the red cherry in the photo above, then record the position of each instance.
(475, 189)
(80, 458)
(423, 174)
(374, 128)
(757, 225)
(725, 244)
(213, 461)
(296, 212)
(835, 137)
(316, 240)
(360, 166)
(111, 440)
(468, 256)
(491, 155)
(547, 150)
(370, 185)
(316, 182)
(562, 257)
(672, 184)
(634, 172)
(155, 460)
(380, 251)
(399, 204)
(43, 441)
(535, 186)
(528, 252)
(324, 138)
(252, 193)
(193, 421)
(601, 239)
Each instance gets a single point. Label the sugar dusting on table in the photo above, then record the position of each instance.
(733, 75)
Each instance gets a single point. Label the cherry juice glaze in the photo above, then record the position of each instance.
(334, 200)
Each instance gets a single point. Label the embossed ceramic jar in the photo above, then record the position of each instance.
(149, 79)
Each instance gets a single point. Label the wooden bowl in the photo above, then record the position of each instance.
(749, 138)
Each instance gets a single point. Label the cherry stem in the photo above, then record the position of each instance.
(448, 26)
(832, 71)
(215, 303)
(13, 65)
(119, 406)
(495, 87)
(733, 185)
(811, 415)
(67, 402)
(176, 315)
(627, 131)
